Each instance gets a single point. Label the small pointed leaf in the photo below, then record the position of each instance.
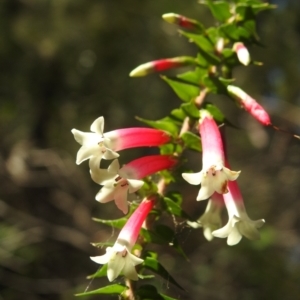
(215, 112)
(191, 110)
(184, 91)
(219, 9)
(153, 265)
(100, 273)
(192, 141)
(174, 209)
(114, 289)
(166, 124)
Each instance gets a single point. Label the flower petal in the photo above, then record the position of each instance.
(102, 259)
(120, 197)
(193, 178)
(86, 152)
(86, 138)
(98, 126)
(114, 167)
(106, 194)
(231, 175)
(134, 185)
(100, 176)
(129, 268)
(115, 265)
(205, 192)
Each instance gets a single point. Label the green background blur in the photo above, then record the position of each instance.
(66, 62)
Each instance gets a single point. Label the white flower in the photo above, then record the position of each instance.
(119, 260)
(237, 227)
(211, 219)
(212, 179)
(94, 143)
(116, 183)
(239, 224)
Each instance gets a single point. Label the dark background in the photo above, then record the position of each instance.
(63, 64)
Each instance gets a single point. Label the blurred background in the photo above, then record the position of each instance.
(63, 64)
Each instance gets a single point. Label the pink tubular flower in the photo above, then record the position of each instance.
(161, 65)
(117, 182)
(182, 21)
(242, 53)
(214, 176)
(119, 257)
(249, 104)
(239, 223)
(211, 219)
(105, 145)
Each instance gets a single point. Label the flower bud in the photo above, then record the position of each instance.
(242, 53)
(182, 21)
(161, 65)
(249, 104)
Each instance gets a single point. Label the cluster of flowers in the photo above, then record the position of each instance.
(218, 182)
(118, 182)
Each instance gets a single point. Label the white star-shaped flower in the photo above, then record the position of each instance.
(212, 179)
(117, 183)
(119, 260)
(211, 219)
(94, 144)
(239, 224)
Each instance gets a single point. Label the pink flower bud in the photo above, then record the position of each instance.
(249, 104)
(161, 65)
(182, 21)
(242, 53)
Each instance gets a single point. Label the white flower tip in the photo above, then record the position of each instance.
(194, 224)
(192, 178)
(141, 70)
(207, 232)
(242, 53)
(231, 175)
(170, 17)
(204, 114)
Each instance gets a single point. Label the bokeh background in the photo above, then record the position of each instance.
(63, 64)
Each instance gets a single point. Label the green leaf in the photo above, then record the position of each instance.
(190, 110)
(174, 209)
(118, 223)
(257, 8)
(184, 91)
(215, 112)
(149, 292)
(167, 234)
(166, 124)
(114, 289)
(178, 114)
(200, 40)
(193, 76)
(230, 58)
(152, 264)
(175, 197)
(192, 141)
(100, 273)
(219, 9)
(215, 85)
(206, 48)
